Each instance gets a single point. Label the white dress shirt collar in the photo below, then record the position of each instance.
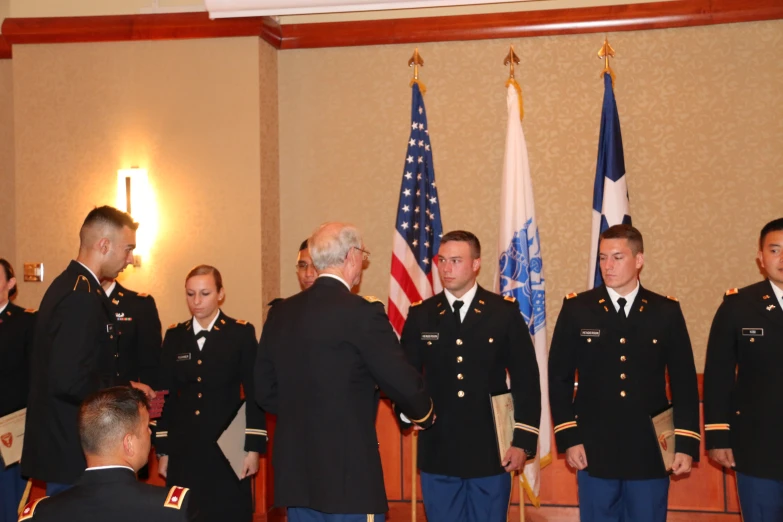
(343, 281)
(111, 288)
(466, 298)
(775, 288)
(2, 308)
(197, 327)
(629, 299)
(96, 468)
(90, 271)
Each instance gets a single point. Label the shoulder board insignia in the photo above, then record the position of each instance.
(571, 295)
(30, 310)
(672, 298)
(172, 326)
(143, 294)
(732, 291)
(372, 299)
(29, 510)
(241, 321)
(417, 303)
(176, 497)
(510, 299)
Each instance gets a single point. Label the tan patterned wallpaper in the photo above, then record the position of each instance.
(701, 111)
(7, 182)
(188, 112)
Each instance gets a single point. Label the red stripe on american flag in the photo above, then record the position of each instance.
(400, 273)
(395, 317)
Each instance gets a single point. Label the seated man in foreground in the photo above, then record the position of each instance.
(115, 437)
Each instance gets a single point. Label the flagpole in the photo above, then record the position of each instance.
(415, 61)
(510, 60)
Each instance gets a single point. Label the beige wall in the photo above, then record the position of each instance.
(701, 112)
(7, 181)
(185, 110)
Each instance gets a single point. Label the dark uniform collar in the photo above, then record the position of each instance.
(106, 475)
(330, 282)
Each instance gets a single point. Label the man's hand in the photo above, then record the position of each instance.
(515, 459)
(250, 464)
(724, 457)
(163, 466)
(576, 457)
(682, 463)
(149, 392)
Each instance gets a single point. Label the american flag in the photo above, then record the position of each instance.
(418, 229)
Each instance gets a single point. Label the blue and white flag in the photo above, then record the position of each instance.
(610, 193)
(521, 271)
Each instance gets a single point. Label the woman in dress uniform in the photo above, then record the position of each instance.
(16, 339)
(206, 362)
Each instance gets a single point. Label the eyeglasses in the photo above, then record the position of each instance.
(302, 266)
(365, 254)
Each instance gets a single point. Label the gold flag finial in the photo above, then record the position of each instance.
(510, 60)
(416, 61)
(606, 51)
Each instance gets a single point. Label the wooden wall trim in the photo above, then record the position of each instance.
(5, 49)
(656, 15)
(174, 26)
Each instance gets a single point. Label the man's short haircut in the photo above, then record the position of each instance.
(106, 215)
(106, 416)
(623, 231)
(303, 245)
(776, 225)
(330, 244)
(9, 273)
(206, 270)
(467, 237)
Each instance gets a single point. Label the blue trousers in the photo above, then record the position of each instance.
(11, 490)
(761, 500)
(610, 500)
(453, 499)
(311, 515)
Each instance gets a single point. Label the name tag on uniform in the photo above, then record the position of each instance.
(430, 336)
(183, 357)
(590, 332)
(110, 328)
(752, 331)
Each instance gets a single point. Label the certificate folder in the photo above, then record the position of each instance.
(663, 425)
(503, 414)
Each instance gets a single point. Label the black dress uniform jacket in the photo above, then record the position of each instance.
(744, 410)
(461, 370)
(73, 356)
(112, 495)
(139, 330)
(204, 396)
(622, 365)
(16, 339)
(323, 355)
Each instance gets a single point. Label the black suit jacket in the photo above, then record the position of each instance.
(461, 370)
(743, 389)
(73, 355)
(113, 495)
(16, 340)
(140, 336)
(622, 365)
(323, 355)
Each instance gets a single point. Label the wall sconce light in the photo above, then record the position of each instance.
(135, 197)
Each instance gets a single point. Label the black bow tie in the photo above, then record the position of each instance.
(202, 334)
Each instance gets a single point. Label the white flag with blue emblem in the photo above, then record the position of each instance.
(521, 271)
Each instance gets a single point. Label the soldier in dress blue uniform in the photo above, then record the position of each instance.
(139, 337)
(75, 348)
(115, 436)
(743, 389)
(206, 362)
(16, 339)
(464, 340)
(622, 339)
(324, 355)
